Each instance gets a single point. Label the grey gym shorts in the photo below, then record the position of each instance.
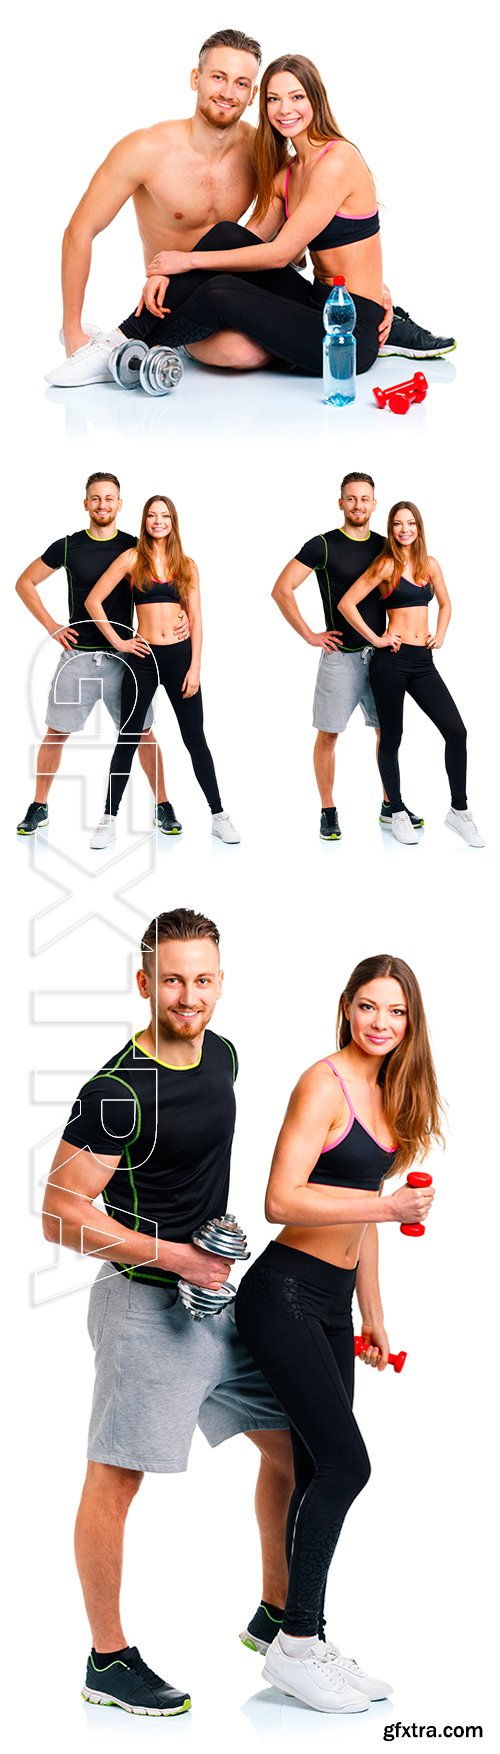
(82, 678)
(343, 683)
(159, 1374)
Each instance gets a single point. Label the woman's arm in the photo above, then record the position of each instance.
(348, 604)
(191, 681)
(330, 188)
(370, 1302)
(315, 1106)
(119, 570)
(444, 605)
(270, 223)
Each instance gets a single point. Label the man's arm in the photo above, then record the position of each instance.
(124, 170)
(70, 1218)
(284, 590)
(27, 590)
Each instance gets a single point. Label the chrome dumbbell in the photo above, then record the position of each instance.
(160, 371)
(220, 1236)
(125, 363)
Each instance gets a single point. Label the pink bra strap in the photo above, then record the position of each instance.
(336, 1074)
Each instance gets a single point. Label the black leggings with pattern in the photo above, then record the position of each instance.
(277, 307)
(293, 1312)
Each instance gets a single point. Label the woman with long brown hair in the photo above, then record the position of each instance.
(161, 578)
(315, 192)
(408, 578)
(364, 1114)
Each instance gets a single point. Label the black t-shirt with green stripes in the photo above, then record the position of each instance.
(338, 561)
(174, 1127)
(85, 559)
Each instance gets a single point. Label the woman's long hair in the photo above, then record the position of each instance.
(271, 150)
(178, 566)
(399, 556)
(412, 1104)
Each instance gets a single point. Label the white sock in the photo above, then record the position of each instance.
(299, 1647)
(218, 814)
(459, 812)
(116, 335)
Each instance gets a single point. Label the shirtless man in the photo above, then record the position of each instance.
(184, 177)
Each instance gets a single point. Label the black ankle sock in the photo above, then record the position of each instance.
(276, 1613)
(329, 810)
(102, 1657)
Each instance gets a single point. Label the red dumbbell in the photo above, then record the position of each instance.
(398, 396)
(416, 1179)
(397, 1359)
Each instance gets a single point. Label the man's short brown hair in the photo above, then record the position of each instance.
(181, 924)
(100, 475)
(231, 39)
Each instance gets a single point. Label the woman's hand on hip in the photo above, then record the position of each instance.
(153, 296)
(377, 1345)
(432, 642)
(182, 629)
(393, 640)
(191, 683)
(137, 645)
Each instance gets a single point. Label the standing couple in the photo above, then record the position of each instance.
(232, 294)
(375, 658)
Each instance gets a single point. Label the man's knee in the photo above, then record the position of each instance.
(226, 235)
(56, 736)
(326, 741)
(117, 1485)
(230, 349)
(275, 1449)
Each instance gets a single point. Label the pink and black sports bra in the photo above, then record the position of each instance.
(160, 591)
(357, 1159)
(407, 595)
(343, 228)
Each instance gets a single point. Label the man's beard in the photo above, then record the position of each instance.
(223, 119)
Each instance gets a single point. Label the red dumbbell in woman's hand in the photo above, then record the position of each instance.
(397, 1359)
(416, 1179)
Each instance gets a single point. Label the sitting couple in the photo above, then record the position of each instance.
(232, 294)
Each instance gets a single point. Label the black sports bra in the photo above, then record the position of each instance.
(407, 595)
(357, 1159)
(161, 591)
(342, 228)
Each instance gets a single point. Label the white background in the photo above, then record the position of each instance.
(254, 466)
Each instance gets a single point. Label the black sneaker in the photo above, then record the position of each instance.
(385, 817)
(407, 338)
(165, 818)
(130, 1684)
(329, 828)
(261, 1630)
(37, 816)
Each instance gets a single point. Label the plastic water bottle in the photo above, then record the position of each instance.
(339, 346)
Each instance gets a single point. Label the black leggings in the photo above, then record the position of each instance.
(278, 308)
(411, 671)
(165, 665)
(293, 1312)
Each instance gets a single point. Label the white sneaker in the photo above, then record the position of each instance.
(104, 834)
(222, 825)
(312, 1678)
(463, 823)
(402, 829)
(356, 1677)
(89, 365)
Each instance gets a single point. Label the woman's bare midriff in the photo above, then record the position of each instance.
(338, 1244)
(411, 624)
(360, 264)
(157, 622)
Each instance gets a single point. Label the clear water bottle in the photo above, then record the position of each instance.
(339, 346)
